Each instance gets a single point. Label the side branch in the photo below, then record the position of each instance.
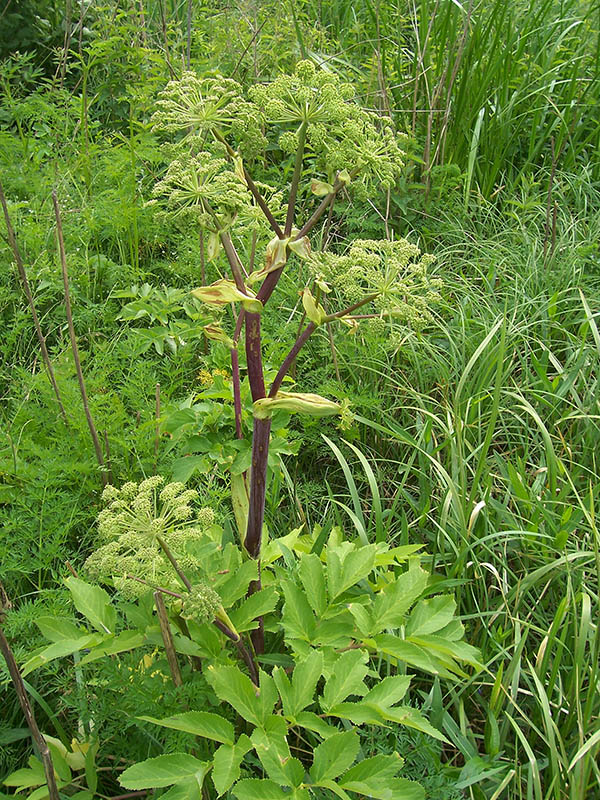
(289, 359)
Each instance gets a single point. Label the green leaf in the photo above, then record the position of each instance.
(226, 763)
(126, 640)
(256, 789)
(59, 650)
(412, 654)
(347, 565)
(24, 778)
(334, 756)
(388, 691)
(411, 718)
(237, 584)
(312, 722)
(375, 777)
(154, 773)
(262, 602)
(313, 579)
(58, 628)
(430, 616)
(235, 688)
(393, 602)
(346, 678)
(94, 603)
(189, 789)
(304, 681)
(199, 723)
(298, 618)
(453, 650)
(272, 748)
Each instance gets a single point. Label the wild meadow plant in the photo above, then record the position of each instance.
(338, 622)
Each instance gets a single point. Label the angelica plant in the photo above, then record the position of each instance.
(219, 135)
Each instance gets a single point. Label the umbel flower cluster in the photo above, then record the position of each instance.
(395, 272)
(213, 119)
(136, 519)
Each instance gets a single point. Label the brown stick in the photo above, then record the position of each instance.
(23, 275)
(107, 453)
(84, 397)
(41, 743)
(167, 638)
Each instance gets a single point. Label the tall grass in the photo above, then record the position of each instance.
(498, 88)
(487, 449)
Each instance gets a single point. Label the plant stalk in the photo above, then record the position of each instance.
(84, 397)
(12, 240)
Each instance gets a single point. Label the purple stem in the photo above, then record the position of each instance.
(235, 376)
(258, 485)
(253, 356)
(289, 359)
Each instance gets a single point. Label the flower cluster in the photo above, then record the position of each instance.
(202, 603)
(395, 271)
(135, 518)
(203, 188)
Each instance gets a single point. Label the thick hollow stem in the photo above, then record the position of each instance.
(289, 359)
(237, 395)
(254, 356)
(12, 240)
(258, 486)
(84, 397)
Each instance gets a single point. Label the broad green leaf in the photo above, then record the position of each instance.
(347, 565)
(394, 789)
(126, 640)
(59, 650)
(346, 678)
(155, 773)
(373, 771)
(273, 751)
(412, 654)
(235, 688)
(411, 718)
(262, 602)
(24, 778)
(313, 579)
(430, 616)
(359, 713)
(304, 681)
(94, 603)
(267, 696)
(444, 647)
(362, 617)
(256, 789)
(312, 722)
(58, 628)
(298, 618)
(188, 789)
(199, 723)
(391, 604)
(236, 585)
(284, 687)
(226, 763)
(334, 756)
(388, 691)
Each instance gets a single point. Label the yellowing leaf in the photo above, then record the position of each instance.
(321, 188)
(223, 292)
(295, 403)
(314, 311)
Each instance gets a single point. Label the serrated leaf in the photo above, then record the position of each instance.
(377, 769)
(226, 763)
(430, 616)
(412, 654)
(94, 603)
(199, 723)
(334, 756)
(411, 718)
(346, 678)
(363, 618)
(391, 604)
(237, 689)
(188, 789)
(155, 773)
(126, 640)
(58, 628)
(312, 722)
(273, 751)
(59, 650)
(388, 691)
(304, 681)
(298, 618)
(24, 778)
(453, 650)
(257, 789)
(347, 565)
(312, 576)
(256, 605)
